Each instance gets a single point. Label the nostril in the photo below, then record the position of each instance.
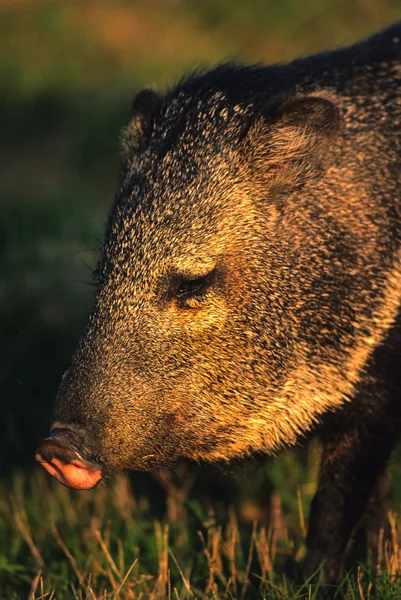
(65, 436)
(60, 431)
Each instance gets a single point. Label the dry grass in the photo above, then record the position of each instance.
(106, 545)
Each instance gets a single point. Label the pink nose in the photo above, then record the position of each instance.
(66, 464)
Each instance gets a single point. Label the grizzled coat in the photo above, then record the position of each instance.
(250, 281)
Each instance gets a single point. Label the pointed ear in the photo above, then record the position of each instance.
(143, 111)
(293, 142)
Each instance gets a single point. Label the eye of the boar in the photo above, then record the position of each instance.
(194, 287)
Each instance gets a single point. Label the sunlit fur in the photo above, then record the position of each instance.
(281, 186)
(286, 180)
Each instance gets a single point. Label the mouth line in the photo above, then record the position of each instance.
(73, 476)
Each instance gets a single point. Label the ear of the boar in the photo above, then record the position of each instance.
(295, 145)
(143, 110)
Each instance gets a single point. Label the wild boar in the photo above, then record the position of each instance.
(249, 286)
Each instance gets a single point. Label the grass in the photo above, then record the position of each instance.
(87, 44)
(109, 544)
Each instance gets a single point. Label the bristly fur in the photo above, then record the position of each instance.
(284, 181)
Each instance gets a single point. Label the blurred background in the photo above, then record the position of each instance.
(68, 73)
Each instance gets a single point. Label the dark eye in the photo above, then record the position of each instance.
(194, 287)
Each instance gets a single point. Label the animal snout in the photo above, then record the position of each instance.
(60, 456)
